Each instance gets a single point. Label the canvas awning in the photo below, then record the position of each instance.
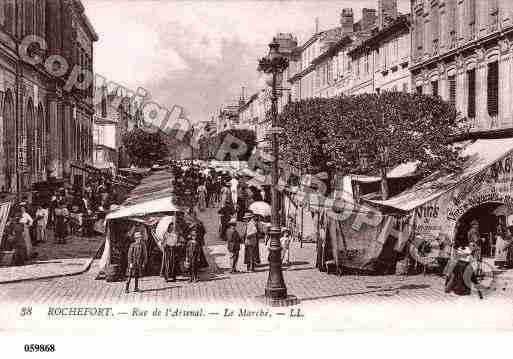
(479, 156)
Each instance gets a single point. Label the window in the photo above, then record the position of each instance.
(366, 63)
(405, 87)
(9, 16)
(377, 90)
(452, 90)
(29, 17)
(418, 89)
(434, 88)
(330, 71)
(471, 79)
(493, 88)
(472, 18)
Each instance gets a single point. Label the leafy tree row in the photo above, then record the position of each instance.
(368, 134)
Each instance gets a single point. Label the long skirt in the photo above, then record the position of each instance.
(202, 201)
(28, 242)
(169, 263)
(501, 251)
(40, 233)
(203, 263)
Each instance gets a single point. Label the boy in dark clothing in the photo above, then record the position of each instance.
(137, 257)
(193, 255)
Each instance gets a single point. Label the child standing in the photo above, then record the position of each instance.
(285, 245)
(193, 255)
(137, 257)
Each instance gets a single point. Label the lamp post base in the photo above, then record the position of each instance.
(288, 301)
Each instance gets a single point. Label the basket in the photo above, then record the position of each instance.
(112, 273)
(6, 258)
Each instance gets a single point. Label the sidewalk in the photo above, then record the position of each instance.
(55, 260)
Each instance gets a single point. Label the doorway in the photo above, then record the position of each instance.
(487, 217)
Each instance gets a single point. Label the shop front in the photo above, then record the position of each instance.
(445, 206)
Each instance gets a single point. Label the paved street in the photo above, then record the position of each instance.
(217, 285)
(55, 259)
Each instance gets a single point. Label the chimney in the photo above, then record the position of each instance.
(387, 12)
(316, 25)
(369, 18)
(347, 21)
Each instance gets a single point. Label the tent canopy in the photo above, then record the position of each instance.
(153, 195)
(479, 155)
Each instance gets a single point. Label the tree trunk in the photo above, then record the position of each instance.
(384, 184)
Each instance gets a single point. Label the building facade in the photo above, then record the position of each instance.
(46, 126)
(462, 51)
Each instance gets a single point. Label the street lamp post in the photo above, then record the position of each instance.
(275, 289)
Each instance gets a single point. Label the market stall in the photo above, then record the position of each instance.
(444, 205)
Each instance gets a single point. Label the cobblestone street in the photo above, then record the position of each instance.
(217, 285)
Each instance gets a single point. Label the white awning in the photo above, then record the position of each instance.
(479, 154)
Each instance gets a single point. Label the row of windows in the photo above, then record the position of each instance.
(492, 98)
(33, 16)
(436, 28)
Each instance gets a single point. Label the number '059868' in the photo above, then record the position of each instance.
(33, 348)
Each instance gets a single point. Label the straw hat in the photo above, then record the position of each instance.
(249, 215)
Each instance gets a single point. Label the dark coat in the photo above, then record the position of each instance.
(233, 239)
(137, 256)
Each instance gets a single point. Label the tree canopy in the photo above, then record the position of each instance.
(145, 148)
(368, 133)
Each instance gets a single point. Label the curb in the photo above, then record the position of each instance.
(84, 269)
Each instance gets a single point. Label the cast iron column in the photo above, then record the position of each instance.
(275, 287)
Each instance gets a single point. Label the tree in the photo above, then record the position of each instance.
(145, 148)
(237, 137)
(369, 134)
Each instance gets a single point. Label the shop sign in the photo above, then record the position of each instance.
(438, 218)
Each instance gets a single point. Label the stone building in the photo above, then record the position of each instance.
(380, 62)
(114, 116)
(462, 51)
(46, 126)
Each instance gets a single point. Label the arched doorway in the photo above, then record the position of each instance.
(29, 135)
(488, 216)
(40, 142)
(9, 142)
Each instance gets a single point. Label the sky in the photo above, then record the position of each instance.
(199, 54)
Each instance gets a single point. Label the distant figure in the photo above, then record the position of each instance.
(193, 255)
(285, 245)
(61, 223)
(170, 260)
(250, 242)
(27, 222)
(234, 189)
(41, 223)
(202, 197)
(233, 243)
(137, 258)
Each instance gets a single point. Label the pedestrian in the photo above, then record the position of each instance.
(61, 223)
(202, 197)
(233, 244)
(234, 189)
(250, 241)
(27, 222)
(41, 223)
(474, 239)
(501, 246)
(225, 214)
(137, 259)
(192, 256)
(285, 245)
(170, 253)
(225, 195)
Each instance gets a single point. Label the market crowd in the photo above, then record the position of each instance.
(183, 239)
(55, 215)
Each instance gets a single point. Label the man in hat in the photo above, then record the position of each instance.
(233, 243)
(137, 258)
(250, 241)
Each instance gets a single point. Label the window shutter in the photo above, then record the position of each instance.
(493, 88)
(434, 88)
(452, 90)
(471, 76)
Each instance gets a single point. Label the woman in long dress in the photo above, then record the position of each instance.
(27, 222)
(170, 263)
(61, 223)
(501, 246)
(202, 196)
